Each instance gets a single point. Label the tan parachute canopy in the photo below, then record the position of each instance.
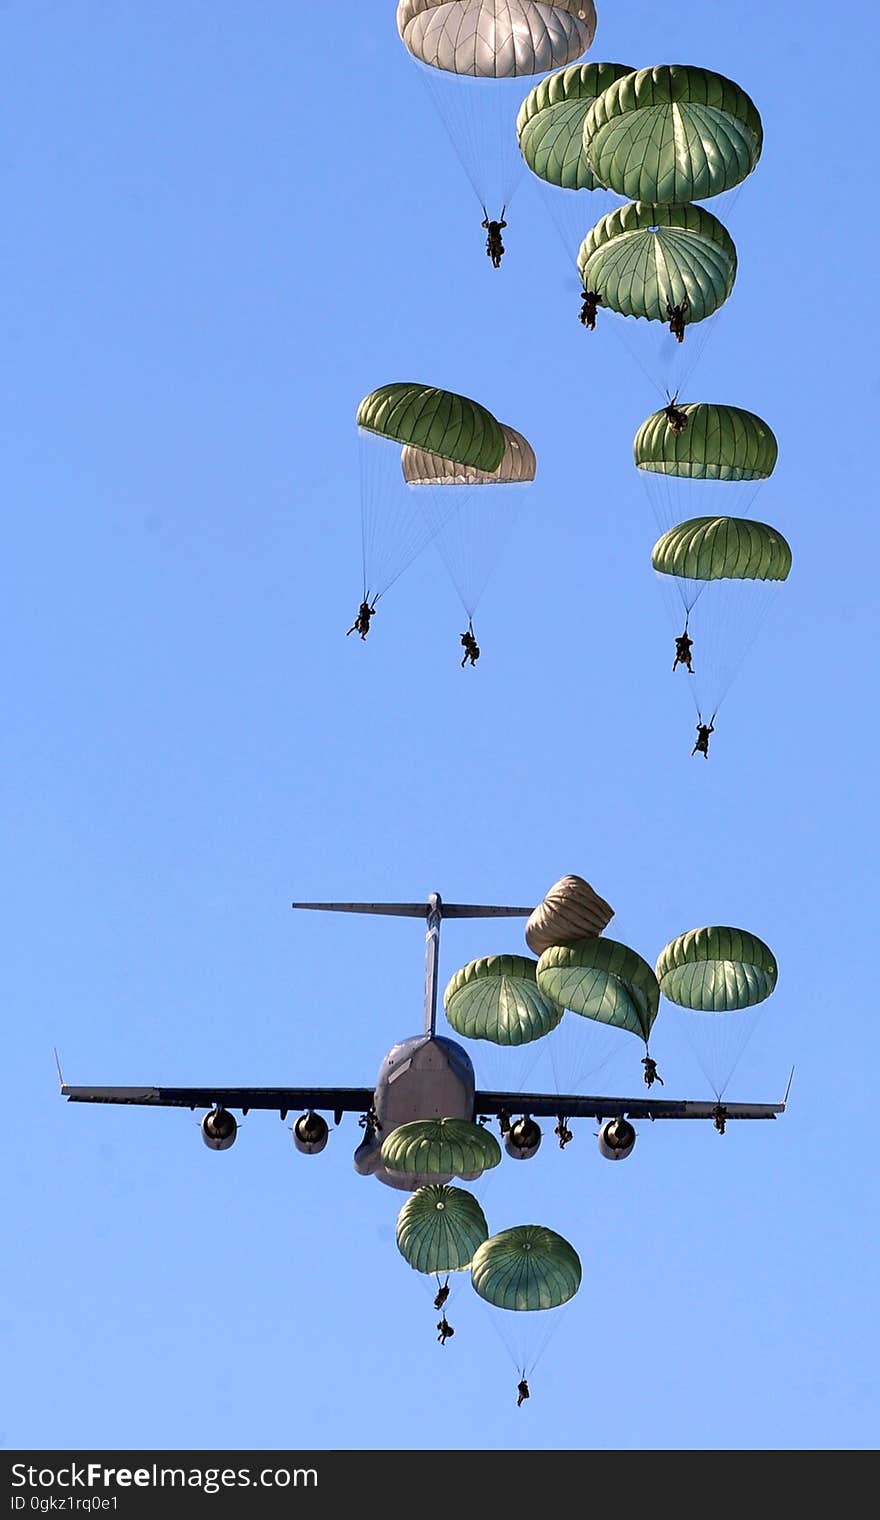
(517, 467)
(570, 911)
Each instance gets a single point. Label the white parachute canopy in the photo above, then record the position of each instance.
(473, 53)
(496, 39)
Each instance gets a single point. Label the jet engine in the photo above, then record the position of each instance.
(616, 1139)
(310, 1134)
(219, 1129)
(522, 1139)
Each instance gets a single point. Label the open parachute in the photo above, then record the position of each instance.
(602, 980)
(428, 1150)
(724, 571)
(497, 999)
(550, 124)
(439, 1228)
(459, 429)
(712, 442)
(439, 423)
(489, 40)
(644, 258)
(473, 53)
(526, 1276)
(719, 570)
(672, 134)
(526, 1268)
(718, 975)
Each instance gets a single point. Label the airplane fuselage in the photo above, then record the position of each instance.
(425, 1077)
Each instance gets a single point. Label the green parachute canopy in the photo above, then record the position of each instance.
(722, 548)
(491, 41)
(518, 466)
(602, 980)
(527, 1267)
(439, 1229)
(716, 443)
(440, 421)
(497, 999)
(716, 970)
(672, 134)
(441, 1148)
(550, 124)
(643, 257)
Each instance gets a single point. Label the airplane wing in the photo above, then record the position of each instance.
(538, 1105)
(336, 1100)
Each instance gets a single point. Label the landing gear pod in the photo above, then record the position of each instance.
(522, 1139)
(616, 1139)
(310, 1134)
(219, 1129)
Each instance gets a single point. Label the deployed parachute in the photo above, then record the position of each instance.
(394, 531)
(716, 970)
(517, 466)
(440, 1149)
(526, 1268)
(722, 548)
(603, 980)
(496, 39)
(497, 999)
(474, 53)
(672, 134)
(521, 1271)
(453, 426)
(715, 443)
(644, 258)
(570, 911)
(718, 974)
(469, 524)
(550, 124)
(673, 265)
(439, 1228)
(731, 567)
(722, 450)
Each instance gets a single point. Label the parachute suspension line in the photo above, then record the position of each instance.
(732, 614)
(561, 209)
(718, 1042)
(426, 74)
(479, 115)
(471, 535)
(518, 1338)
(731, 629)
(617, 327)
(369, 492)
(393, 530)
(579, 1050)
(491, 1312)
(697, 347)
(555, 1317)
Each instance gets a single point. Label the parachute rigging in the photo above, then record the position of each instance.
(469, 524)
(717, 978)
(473, 53)
(394, 531)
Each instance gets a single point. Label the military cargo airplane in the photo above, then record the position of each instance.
(424, 1077)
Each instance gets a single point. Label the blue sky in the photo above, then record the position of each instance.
(225, 224)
